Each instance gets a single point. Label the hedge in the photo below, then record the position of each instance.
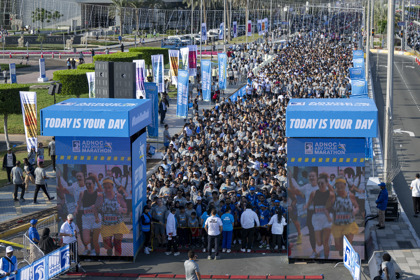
(74, 81)
(10, 98)
(147, 52)
(86, 66)
(118, 57)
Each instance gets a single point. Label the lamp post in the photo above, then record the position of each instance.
(224, 25)
(201, 37)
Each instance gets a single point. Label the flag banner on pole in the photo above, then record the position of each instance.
(174, 64)
(184, 55)
(357, 73)
(222, 59)
(259, 27)
(192, 60)
(152, 94)
(265, 25)
(12, 70)
(222, 29)
(206, 79)
(249, 29)
(28, 102)
(203, 32)
(91, 83)
(157, 64)
(359, 62)
(140, 78)
(182, 96)
(42, 73)
(235, 29)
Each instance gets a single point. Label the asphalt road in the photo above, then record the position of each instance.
(406, 117)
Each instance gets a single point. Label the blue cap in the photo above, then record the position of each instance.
(33, 222)
(262, 205)
(382, 184)
(276, 201)
(238, 194)
(252, 189)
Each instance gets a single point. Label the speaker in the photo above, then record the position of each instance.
(104, 79)
(391, 211)
(125, 80)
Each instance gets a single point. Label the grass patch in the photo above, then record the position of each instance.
(21, 153)
(15, 121)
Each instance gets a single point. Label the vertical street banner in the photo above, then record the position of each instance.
(222, 60)
(222, 29)
(235, 29)
(182, 97)
(206, 79)
(249, 28)
(12, 69)
(140, 78)
(259, 27)
(152, 94)
(157, 66)
(174, 64)
(192, 60)
(42, 73)
(184, 58)
(28, 103)
(265, 29)
(357, 73)
(203, 32)
(91, 83)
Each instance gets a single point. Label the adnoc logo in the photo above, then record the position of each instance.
(65, 259)
(39, 271)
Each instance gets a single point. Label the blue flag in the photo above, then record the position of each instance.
(182, 99)
(206, 79)
(152, 94)
(222, 59)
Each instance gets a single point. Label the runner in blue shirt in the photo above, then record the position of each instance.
(264, 215)
(228, 221)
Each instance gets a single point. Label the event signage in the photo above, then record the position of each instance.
(103, 117)
(359, 87)
(221, 32)
(235, 29)
(222, 60)
(326, 151)
(358, 54)
(46, 267)
(265, 25)
(42, 73)
(203, 32)
(249, 28)
(357, 73)
(259, 27)
(331, 118)
(192, 60)
(152, 94)
(91, 83)
(351, 259)
(182, 98)
(184, 58)
(12, 69)
(140, 77)
(359, 62)
(174, 65)
(206, 79)
(28, 103)
(158, 71)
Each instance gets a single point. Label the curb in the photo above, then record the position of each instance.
(182, 276)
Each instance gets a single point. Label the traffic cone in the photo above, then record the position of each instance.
(10, 54)
(42, 55)
(59, 55)
(52, 56)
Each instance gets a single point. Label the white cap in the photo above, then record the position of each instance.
(9, 249)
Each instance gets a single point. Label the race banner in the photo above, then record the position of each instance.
(12, 69)
(91, 83)
(222, 29)
(235, 29)
(174, 64)
(357, 73)
(192, 60)
(359, 62)
(152, 94)
(157, 64)
(28, 103)
(249, 28)
(359, 87)
(184, 58)
(203, 32)
(259, 27)
(222, 60)
(206, 79)
(140, 78)
(265, 25)
(358, 54)
(182, 98)
(42, 74)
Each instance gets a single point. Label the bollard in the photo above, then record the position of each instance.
(42, 55)
(52, 55)
(10, 54)
(59, 55)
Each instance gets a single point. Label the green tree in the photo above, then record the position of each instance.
(119, 6)
(41, 15)
(10, 103)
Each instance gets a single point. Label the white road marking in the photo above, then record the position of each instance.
(399, 131)
(405, 83)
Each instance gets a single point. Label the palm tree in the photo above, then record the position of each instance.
(119, 6)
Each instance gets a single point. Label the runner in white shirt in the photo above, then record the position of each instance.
(213, 227)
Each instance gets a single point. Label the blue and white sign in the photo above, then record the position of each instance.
(203, 32)
(152, 95)
(138, 151)
(45, 268)
(359, 87)
(358, 54)
(221, 31)
(235, 29)
(351, 259)
(345, 118)
(326, 151)
(12, 69)
(100, 117)
(222, 60)
(401, 23)
(359, 62)
(206, 79)
(42, 74)
(357, 73)
(182, 98)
